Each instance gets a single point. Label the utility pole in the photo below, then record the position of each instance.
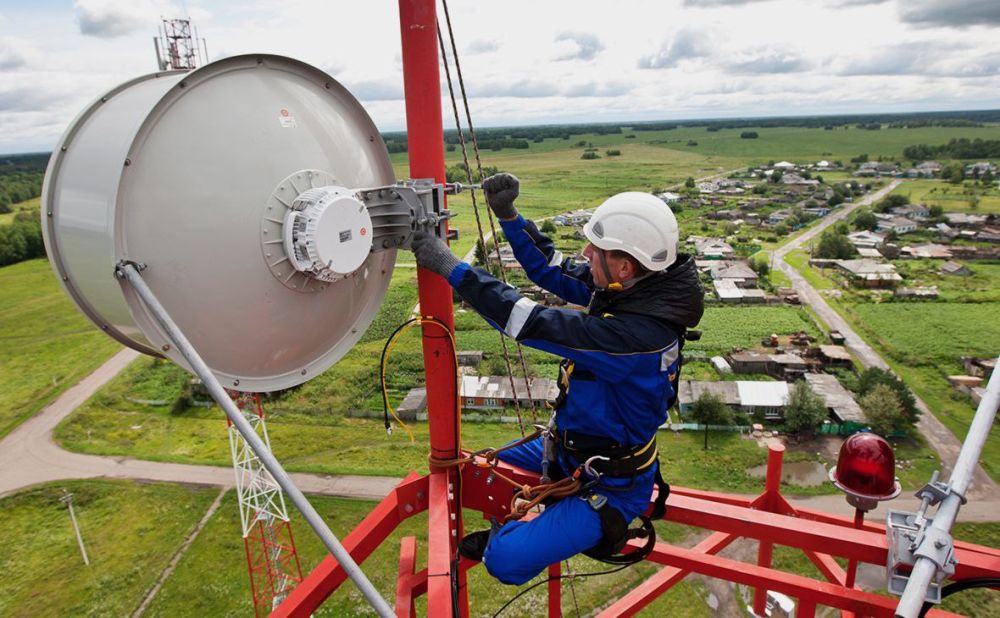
(67, 498)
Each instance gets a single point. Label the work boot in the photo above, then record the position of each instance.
(473, 546)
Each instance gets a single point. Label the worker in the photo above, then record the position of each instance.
(618, 378)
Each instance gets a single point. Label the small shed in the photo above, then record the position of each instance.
(955, 268)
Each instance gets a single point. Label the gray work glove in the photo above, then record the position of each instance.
(501, 190)
(433, 253)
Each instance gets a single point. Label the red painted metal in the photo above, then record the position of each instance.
(555, 591)
(360, 543)
(404, 584)
(647, 592)
(852, 565)
(422, 87)
(769, 502)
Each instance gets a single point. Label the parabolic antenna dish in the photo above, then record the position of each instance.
(194, 174)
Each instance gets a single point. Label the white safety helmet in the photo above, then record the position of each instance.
(639, 224)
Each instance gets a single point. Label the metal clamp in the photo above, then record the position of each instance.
(910, 537)
(399, 210)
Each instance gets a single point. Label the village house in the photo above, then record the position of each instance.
(864, 238)
(977, 170)
(917, 292)
(711, 248)
(912, 211)
(494, 392)
(575, 217)
(964, 219)
(782, 366)
(869, 273)
(834, 356)
(898, 225)
(739, 273)
(784, 166)
(727, 291)
(929, 169)
(779, 216)
(926, 251)
(668, 197)
(955, 268)
(825, 166)
(798, 183)
(770, 398)
(840, 403)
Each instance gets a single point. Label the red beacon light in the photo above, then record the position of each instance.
(866, 471)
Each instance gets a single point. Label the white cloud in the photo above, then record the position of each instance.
(962, 14)
(687, 44)
(768, 60)
(10, 57)
(111, 18)
(584, 45)
(482, 46)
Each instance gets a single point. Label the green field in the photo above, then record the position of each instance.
(46, 345)
(29, 206)
(131, 530)
(967, 197)
(211, 579)
(923, 343)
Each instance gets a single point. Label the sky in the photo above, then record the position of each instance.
(534, 61)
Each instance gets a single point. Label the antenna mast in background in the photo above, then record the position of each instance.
(177, 46)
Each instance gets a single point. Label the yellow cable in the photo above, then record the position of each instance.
(388, 352)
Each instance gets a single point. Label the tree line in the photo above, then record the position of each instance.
(961, 148)
(21, 178)
(22, 239)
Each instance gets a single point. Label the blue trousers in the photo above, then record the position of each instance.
(520, 550)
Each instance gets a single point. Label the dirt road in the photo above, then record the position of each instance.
(938, 436)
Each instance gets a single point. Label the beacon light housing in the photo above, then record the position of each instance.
(866, 471)
(200, 176)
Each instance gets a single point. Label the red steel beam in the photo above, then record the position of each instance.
(406, 500)
(404, 583)
(424, 130)
(647, 592)
(795, 586)
(555, 591)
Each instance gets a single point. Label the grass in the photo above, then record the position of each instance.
(799, 260)
(982, 286)
(211, 579)
(952, 198)
(724, 327)
(131, 530)
(46, 345)
(30, 206)
(922, 342)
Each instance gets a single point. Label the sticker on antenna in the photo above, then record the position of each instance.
(286, 119)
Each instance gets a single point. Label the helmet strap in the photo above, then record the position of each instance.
(617, 286)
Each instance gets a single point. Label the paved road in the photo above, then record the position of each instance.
(28, 455)
(938, 436)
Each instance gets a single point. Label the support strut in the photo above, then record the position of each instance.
(129, 273)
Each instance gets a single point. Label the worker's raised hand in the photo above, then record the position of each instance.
(433, 253)
(501, 190)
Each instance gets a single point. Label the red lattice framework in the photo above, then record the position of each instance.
(272, 558)
(769, 518)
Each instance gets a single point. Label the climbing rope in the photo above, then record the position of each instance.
(475, 207)
(526, 497)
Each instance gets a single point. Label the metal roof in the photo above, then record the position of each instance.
(763, 394)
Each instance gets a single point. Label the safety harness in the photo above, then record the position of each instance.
(602, 456)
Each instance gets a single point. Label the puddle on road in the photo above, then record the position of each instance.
(801, 473)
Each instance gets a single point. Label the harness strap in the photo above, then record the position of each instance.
(622, 461)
